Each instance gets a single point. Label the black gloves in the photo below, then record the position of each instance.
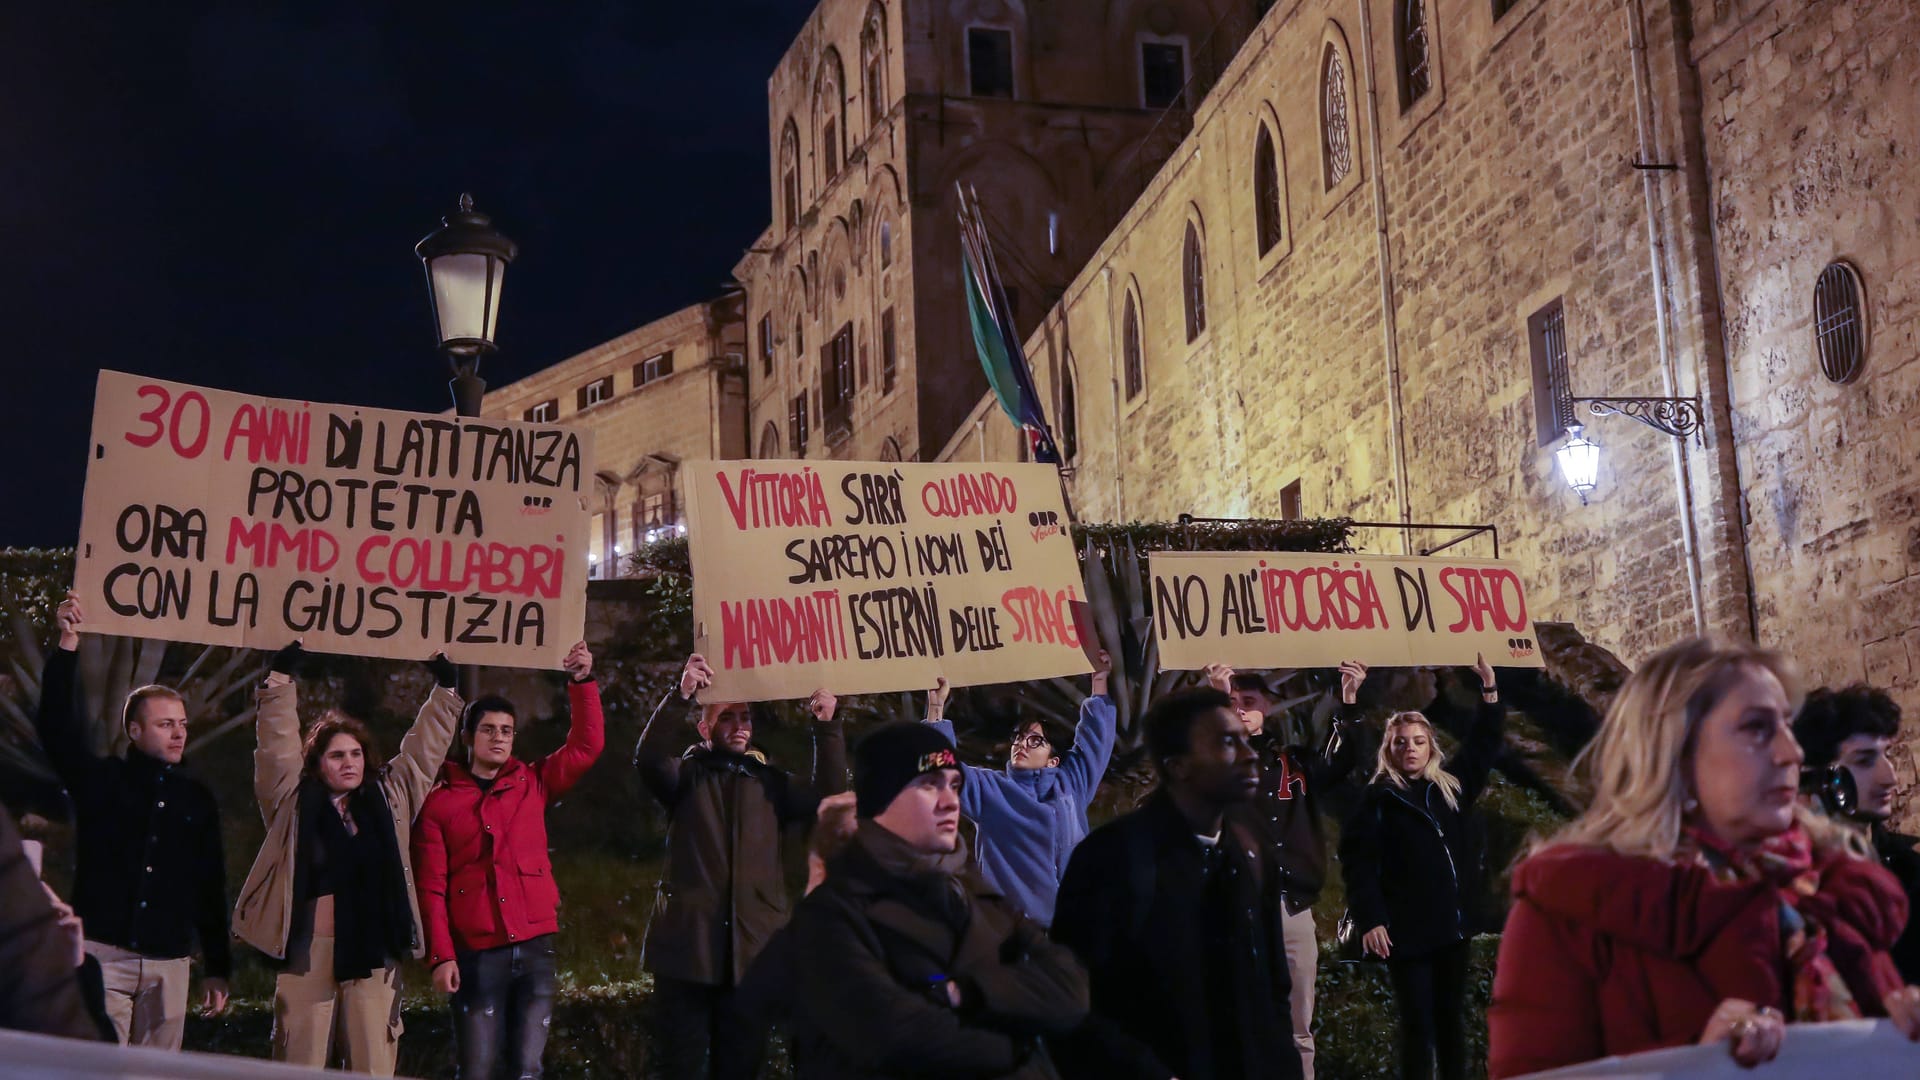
(443, 670)
(288, 660)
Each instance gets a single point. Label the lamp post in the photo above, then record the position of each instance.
(1579, 456)
(466, 261)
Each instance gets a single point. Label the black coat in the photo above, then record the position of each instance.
(725, 892)
(1412, 863)
(1897, 854)
(870, 954)
(150, 875)
(1132, 908)
(41, 992)
(1294, 782)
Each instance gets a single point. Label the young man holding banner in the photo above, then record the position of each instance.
(1032, 815)
(151, 877)
(487, 895)
(724, 894)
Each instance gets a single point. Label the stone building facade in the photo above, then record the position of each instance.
(1812, 133)
(1057, 114)
(673, 390)
(1650, 196)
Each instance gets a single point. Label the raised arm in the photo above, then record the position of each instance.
(586, 729)
(657, 755)
(1484, 740)
(412, 772)
(1086, 763)
(59, 729)
(1333, 762)
(276, 727)
(973, 793)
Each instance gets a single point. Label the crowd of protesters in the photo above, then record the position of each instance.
(1700, 897)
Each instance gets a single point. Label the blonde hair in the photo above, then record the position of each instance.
(1384, 767)
(1637, 762)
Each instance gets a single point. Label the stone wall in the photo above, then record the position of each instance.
(1811, 132)
(1378, 354)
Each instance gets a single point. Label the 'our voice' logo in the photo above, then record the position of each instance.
(1520, 647)
(536, 505)
(1045, 523)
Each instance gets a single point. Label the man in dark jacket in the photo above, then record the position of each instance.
(1176, 911)
(725, 893)
(908, 964)
(1853, 728)
(41, 992)
(1294, 782)
(151, 879)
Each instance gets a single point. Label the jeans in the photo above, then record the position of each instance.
(502, 1010)
(1431, 991)
(700, 1034)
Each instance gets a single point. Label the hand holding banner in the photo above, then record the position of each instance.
(232, 520)
(1286, 609)
(876, 577)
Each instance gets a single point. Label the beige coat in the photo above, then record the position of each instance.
(264, 916)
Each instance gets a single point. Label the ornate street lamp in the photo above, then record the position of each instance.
(1579, 461)
(466, 260)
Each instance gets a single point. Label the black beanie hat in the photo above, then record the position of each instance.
(890, 756)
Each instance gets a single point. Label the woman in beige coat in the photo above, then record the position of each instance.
(331, 893)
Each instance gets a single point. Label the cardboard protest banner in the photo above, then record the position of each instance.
(233, 520)
(868, 577)
(1289, 609)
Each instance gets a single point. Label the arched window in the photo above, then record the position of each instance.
(770, 440)
(873, 65)
(1335, 132)
(1266, 191)
(790, 174)
(1069, 416)
(830, 107)
(886, 244)
(1130, 349)
(1193, 278)
(890, 450)
(1413, 51)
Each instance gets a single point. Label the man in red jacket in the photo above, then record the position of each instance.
(487, 898)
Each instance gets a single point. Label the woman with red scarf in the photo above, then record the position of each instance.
(1696, 900)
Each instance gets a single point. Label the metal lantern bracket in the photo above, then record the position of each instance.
(1675, 416)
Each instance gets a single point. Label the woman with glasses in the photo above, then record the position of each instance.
(1030, 816)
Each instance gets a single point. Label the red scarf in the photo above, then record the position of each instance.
(1786, 862)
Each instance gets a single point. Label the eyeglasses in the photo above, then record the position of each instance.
(1030, 741)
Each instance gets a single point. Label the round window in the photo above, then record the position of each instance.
(1840, 322)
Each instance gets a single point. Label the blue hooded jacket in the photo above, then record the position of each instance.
(1030, 820)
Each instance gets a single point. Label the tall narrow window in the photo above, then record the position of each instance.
(830, 148)
(886, 244)
(876, 103)
(836, 383)
(990, 61)
(873, 53)
(766, 344)
(1163, 72)
(1069, 418)
(770, 440)
(797, 425)
(1552, 400)
(790, 174)
(799, 339)
(1415, 52)
(1130, 350)
(1193, 277)
(889, 353)
(1266, 191)
(1335, 143)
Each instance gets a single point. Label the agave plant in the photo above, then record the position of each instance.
(109, 669)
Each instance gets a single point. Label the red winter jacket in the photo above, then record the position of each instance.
(481, 860)
(1609, 954)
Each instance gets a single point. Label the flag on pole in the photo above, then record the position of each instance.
(994, 336)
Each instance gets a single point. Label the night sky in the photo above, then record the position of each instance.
(230, 194)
